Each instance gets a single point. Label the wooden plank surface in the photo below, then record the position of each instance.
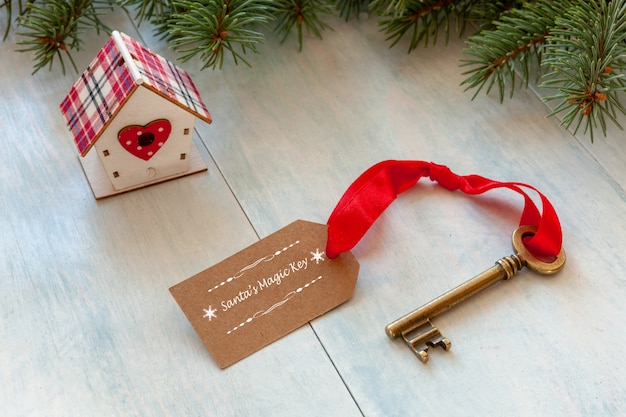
(87, 324)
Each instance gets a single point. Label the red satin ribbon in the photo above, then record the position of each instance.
(371, 193)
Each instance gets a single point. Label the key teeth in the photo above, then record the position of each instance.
(423, 337)
(422, 352)
(445, 344)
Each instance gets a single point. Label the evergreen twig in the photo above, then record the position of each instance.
(515, 43)
(388, 7)
(347, 8)
(580, 44)
(422, 19)
(587, 58)
(298, 13)
(53, 28)
(8, 4)
(155, 12)
(210, 28)
(486, 12)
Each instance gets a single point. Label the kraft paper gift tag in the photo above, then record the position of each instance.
(266, 291)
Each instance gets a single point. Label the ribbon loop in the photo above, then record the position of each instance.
(374, 190)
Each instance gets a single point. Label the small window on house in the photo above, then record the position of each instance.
(183, 156)
(186, 131)
(105, 152)
(116, 174)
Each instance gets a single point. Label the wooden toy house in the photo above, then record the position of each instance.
(132, 115)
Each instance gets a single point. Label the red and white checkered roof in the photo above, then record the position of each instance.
(120, 67)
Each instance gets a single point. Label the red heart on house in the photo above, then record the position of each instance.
(145, 141)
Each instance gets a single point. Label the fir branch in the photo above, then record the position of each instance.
(212, 28)
(9, 6)
(515, 43)
(587, 56)
(388, 7)
(155, 12)
(158, 13)
(487, 12)
(347, 8)
(581, 43)
(55, 27)
(422, 19)
(298, 13)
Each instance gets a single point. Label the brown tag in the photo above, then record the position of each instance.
(262, 293)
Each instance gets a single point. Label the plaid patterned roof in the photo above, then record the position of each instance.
(167, 79)
(96, 97)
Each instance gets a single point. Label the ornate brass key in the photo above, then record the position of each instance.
(416, 328)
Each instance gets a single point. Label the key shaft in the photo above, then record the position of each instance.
(504, 269)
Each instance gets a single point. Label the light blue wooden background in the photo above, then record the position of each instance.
(88, 327)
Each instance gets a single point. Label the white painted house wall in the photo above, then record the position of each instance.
(143, 107)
